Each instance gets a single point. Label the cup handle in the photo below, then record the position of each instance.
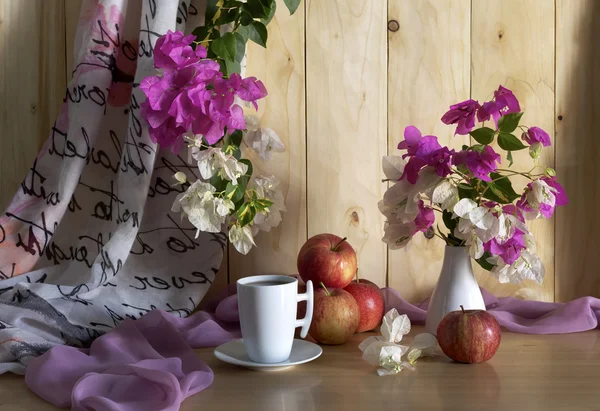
(309, 298)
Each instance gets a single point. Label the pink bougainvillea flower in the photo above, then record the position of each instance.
(559, 193)
(173, 51)
(510, 250)
(480, 164)
(536, 135)
(504, 103)
(462, 114)
(441, 159)
(412, 168)
(424, 151)
(192, 94)
(540, 197)
(412, 138)
(425, 218)
(251, 90)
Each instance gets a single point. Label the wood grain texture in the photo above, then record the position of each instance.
(577, 147)
(528, 372)
(513, 45)
(72, 11)
(346, 125)
(32, 83)
(281, 67)
(428, 70)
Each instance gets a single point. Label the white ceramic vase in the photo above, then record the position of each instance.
(455, 287)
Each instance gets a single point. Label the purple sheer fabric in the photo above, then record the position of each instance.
(149, 364)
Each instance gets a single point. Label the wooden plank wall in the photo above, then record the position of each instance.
(344, 79)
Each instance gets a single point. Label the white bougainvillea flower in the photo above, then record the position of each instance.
(393, 167)
(423, 345)
(390, 360)
(241, 238)
(269, 188)
(527, 266)
(264, 141)
(394, 326)
(202, 209)
(209, 161)
(446, 195)
(252, 123)
(214, 161)
(371, 348)
(180, 177)
(231, 169)
(397, 236)
(401, 200)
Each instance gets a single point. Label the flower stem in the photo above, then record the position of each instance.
(326, 290)
(338, 244)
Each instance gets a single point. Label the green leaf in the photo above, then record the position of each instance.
(450, 222)
(246, 214)
(245, 20)
(227, 16)
(262, 204)
(466, 191)
(257, 32)
(240, 47)
(509, 142)
(235, 138)
(500, 190)
(232, 67)
(465, 147)
(271, 14)
(482, 261)
(202, 33)
(224, 47)
(509, 157)
(292, 5)
(484, 135)
(235, 192)
(256, 9)
(509, 122)
(249, 164)
(218, 183)
(211, 10)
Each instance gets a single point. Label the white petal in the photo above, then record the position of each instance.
(393, 167)
(481, 218)
(371, 353)
(445, 194)
(394, 326)
(180, 177)
(464, 207)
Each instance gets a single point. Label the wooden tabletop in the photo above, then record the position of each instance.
(529, 372)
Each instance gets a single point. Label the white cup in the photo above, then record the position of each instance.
(268, 305)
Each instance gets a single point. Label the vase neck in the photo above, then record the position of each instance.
(457, 259)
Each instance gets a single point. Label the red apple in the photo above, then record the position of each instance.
(370, 303)
(327, 259)
(335, 316)
(470, 336)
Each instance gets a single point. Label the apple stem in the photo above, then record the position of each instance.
(462, 308)
(357, 277)
(325, 288)
(338, 244)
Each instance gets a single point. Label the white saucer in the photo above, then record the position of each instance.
(234, 352)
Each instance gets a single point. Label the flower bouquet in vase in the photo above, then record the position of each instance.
(484, 217)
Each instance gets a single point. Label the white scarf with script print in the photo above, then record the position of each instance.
(89, 240)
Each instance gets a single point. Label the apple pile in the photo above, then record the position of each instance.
(341, 306)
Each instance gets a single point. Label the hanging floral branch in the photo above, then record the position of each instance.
(196, 100)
